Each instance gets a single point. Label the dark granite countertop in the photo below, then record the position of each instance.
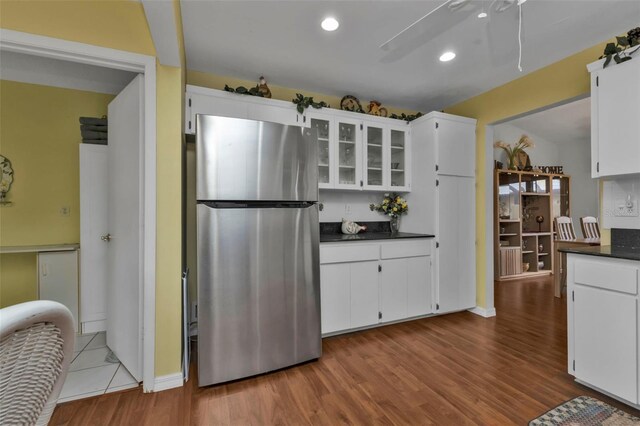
(368, 236)
(628, 253)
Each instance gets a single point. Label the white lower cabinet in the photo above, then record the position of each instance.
(363, 284)
(393, 290)
(364, 293)
(58, 279)
(603, 324)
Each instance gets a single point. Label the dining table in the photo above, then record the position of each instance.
(560, 260)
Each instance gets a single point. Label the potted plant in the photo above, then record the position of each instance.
(393, 206)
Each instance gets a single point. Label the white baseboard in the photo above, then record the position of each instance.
(483, 312)
(169, 381)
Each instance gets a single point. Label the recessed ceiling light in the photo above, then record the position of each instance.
(482, 15)
(447, 56)
(330, 24)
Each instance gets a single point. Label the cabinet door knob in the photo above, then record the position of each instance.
(106, 238)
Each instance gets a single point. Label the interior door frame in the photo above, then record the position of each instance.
(36, 45)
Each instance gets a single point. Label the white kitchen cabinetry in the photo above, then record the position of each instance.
(386, 157)
(603, 324)
(443, 148)
(58, 279)
(339, 149)
(355, 152)
(363, 284)
(615, 128)
(200, 100)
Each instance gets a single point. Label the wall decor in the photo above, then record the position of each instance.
(619, 51)
(263, 88)
(376, 108)
(241, 90)
(405, 117)
(5, 180)
(303, 102)
(554, 170)
(351, 103)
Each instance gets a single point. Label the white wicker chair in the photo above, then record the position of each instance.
(36, 347)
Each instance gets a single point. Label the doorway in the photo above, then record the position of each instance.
(94, 64)
(550, 179)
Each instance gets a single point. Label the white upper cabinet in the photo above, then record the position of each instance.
(399, 159)
(324, 126)
(348, 154)
(200, 100)
(375, 155)
(615, 127)
(455, 147)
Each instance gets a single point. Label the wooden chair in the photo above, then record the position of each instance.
(564, 228)
(590, 228)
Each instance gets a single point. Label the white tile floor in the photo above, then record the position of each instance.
(89, 374)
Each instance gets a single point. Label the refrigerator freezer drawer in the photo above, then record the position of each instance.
(258, 290)
(254, 160)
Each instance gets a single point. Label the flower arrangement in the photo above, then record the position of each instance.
(512, 152)
(392, 205)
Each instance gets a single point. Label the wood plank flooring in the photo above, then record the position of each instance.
(457, 369)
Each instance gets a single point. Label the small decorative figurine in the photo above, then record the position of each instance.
(350, 103)
(263, 88)
(376, 108)
(351, 228)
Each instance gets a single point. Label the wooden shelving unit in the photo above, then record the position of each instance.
(520, 197)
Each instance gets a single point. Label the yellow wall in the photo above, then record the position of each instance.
(122, 25)
(118, 24)
(18, 278)
(565, 79)
(214, 81)
(40, 134)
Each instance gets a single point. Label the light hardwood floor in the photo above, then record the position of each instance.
(455, 369)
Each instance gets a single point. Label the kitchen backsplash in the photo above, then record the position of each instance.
(352, 205)
(627, 238)
(615, 194)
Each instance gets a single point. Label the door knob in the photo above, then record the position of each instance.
(106, 238)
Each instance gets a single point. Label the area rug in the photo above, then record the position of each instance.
(585, 411)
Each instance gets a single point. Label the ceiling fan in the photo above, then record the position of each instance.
(457, 11)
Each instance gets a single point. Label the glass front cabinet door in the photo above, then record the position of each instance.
(326, 172)
(348, 153)
(399, 162)
(375, 157)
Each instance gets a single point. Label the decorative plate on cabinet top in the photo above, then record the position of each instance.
(350, 103)
(7, 174)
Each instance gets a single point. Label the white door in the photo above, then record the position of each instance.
(456, 148)
(393, 290)
(58, 279)
(124, 203)
(364, 294)
(334, 293)
(93, 225)
(419, 286)
(456, 286)
(605, 340)
(618, 109)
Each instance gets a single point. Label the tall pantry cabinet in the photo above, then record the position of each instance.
(443, 203)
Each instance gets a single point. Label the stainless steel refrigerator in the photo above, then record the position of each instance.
(258, 247)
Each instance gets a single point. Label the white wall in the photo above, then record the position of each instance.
(352, 205)
(574, 156)
(614, 193)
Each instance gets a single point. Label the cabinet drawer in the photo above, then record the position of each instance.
(348, 252)
(609, 275)
(398, 249)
